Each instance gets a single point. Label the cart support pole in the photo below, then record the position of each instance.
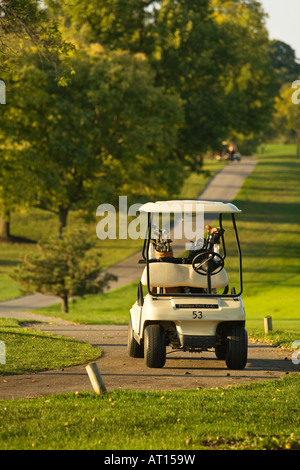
(96, 378)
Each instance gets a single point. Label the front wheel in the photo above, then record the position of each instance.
(154, 346)
(237, 348)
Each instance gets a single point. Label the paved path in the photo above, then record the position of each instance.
(119, 371)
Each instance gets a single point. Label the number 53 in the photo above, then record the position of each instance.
(197, 314)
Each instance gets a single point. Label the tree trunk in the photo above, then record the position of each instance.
(62, 216)
(5, 225)
(64, 304)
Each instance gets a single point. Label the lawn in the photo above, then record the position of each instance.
(28, 350)
(111, 307)
(254, 416)
(269, 233)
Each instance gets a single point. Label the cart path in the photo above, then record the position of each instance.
(121, 372)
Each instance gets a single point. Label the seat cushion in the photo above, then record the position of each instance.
(179, 275)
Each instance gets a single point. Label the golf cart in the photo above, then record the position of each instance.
(188, 303)
(229, 151)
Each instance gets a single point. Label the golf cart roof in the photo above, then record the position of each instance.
(189, 206)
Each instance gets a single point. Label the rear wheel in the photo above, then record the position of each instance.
(154, 346)
(133, 347)
(237, 348)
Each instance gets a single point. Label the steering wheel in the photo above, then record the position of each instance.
(205, 262)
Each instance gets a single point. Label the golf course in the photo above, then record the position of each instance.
(255, 416)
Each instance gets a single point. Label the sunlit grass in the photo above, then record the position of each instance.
(255, 416)
(28, 350)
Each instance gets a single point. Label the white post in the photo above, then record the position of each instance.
(2, 92)
(96, 378)
(2, 353)
(268, 324)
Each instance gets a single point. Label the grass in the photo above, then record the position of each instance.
(270, 231)
(109, 308)
(29, 350)
(254, 416)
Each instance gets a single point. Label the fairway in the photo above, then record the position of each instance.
(269, 233)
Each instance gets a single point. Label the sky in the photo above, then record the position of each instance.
(284, 21)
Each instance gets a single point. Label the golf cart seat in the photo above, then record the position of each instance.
(181, 275)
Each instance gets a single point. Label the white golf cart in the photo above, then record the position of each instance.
(188, 303)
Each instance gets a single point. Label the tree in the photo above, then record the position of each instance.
(287, 113)
(28, 21)
(212, 53)
(284, 62)
(249, 79)
(116, 24)
(64, 268)
(18, 181)
(110, 132)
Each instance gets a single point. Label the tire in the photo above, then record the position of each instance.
(237, 348)
(154, 346)
(133, 347)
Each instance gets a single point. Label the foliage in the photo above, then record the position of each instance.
(28, 21)
(152, 86)
(212, 53)
(116, 24)
(64, 268)
(287, 113)
(283, 60)
(110, 131)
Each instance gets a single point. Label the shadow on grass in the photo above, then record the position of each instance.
(16, 239)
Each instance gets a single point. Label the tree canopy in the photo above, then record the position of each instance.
(110, 131)
(28, 21)
(150, 87)
(284, 63)
(212, 53)
(287, 112)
